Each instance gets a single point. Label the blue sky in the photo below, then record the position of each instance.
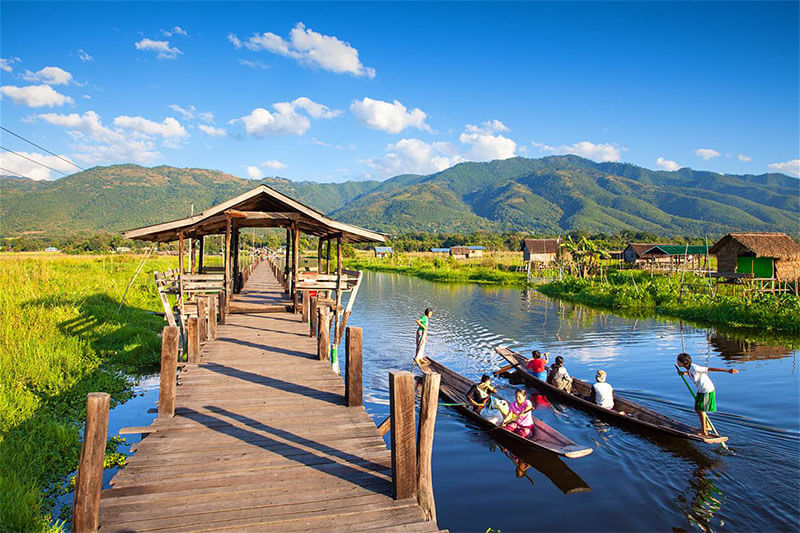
(331, 92)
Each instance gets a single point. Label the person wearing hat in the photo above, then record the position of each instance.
(602, 393)
(559, 377)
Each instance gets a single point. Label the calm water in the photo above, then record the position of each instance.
(630, 481)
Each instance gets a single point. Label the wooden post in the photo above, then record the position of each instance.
(193, 339)
(286, 266)
(306, 306)
(223, 306)
(352, 383)
(212, 317)
(202, 319)
(235, 256)
(170, 337)
(312, 330)
(89, 482)
(295, 264)
(200, 252)
(180, 252)
(227, 256)
(404, 454)
(328, 261)
(337, 312)
(319, 255)
(427, 422)
(324, 340)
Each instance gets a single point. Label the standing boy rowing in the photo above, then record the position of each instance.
(706, 400)
(422, 334)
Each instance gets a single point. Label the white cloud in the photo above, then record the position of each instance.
(162, 48)
(83, 55)
(177, 30)
(310, 48)
(788, 167)
(254, 173)
(35, 171)
(597, 152)
(86, 97)
(326, 145)
(191, 112)
(416, 157)
(7, 64)
(96, 143)
(253, 64)
(745, 158)
(273, 163)
(706, 153)
(35, 95)
(214, 132)
(49, 75)
(666, 164)
(486, 143)
(169, 129)
(284, 120)
(391, 117)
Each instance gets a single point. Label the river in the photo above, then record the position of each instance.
(631, 482)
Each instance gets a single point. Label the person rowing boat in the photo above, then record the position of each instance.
(478, 394)
(706, 398)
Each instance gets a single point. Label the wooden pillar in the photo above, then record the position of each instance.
(89, 481)
(288, 248)
(227, 256)
(337, 312)
(319, 255)
(212, 317)
(170, 336)
(223, 306)
(295, 264)
(180, 253)
(201, 250)
(404, 454)
(429, 403)
(328, 259)
(202, 319)
(312, 311)
(324, 339)
(192, 263)
(353, 381)
(306, 307)
(193, 339)
(235, 254)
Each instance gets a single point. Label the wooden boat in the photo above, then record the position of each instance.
(454, 388)
(625, 411)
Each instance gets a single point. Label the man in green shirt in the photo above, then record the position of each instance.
(422, 334)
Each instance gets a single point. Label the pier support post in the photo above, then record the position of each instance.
(193, 339)
(202, 319)
(427, 422)
(352, 385)
(306, 298)
(223, 306)
(212, 317)
(89, 482)
(170, 337)
(312, 330)
(404, 453)
(324, 340)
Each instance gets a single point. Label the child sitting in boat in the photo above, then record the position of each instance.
(602, 393)
(705, 401)
(559, 377)
(479, 393)
(521, 418)
(538, 364)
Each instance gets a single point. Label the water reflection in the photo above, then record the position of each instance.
(735, 349)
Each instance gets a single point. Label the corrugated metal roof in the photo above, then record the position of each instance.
(679, 249)
(476, 247)
(383, 250)
(441, 250)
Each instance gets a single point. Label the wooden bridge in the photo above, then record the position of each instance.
(258, 432)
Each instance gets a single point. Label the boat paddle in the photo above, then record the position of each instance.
(708, 418)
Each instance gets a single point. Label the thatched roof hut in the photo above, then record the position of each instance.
(540, 250)
(758, 255)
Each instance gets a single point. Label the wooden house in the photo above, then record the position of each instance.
(440, 250)
(383, 251)
(465, 252)
(758, 255)
(636, 252)
(678, 254)
(540, 250)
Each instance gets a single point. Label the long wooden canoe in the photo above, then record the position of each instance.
(625, 412)
(454, 388)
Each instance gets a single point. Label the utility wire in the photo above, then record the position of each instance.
(41, 148)
(15, 173)
(33, 160)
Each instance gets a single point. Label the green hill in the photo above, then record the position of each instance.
(548, 195)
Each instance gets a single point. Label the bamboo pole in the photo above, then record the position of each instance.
(427, 423)
(89, 481)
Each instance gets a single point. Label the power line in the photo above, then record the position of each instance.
(33, 160)
(15, 173)
(41, 148)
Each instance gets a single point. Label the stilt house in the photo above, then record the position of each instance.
(758, 255)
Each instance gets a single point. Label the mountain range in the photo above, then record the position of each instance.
(550, 195)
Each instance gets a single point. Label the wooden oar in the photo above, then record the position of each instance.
(708, 418)
(503, 369)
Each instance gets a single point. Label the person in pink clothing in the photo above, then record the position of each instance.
(521, 418)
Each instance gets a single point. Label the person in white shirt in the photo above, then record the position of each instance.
(602, 393)
(705, 401)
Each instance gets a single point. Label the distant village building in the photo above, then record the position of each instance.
(466, 252)
(638, 252)
(383, 251)
(678, 254)
(123, 249)
(758, 255)
(540, 250)
(51, 249)
(440, 250)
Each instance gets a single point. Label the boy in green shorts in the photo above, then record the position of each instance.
(422, 334)
(705, 400)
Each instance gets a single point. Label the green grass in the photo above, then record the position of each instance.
(60, 338)
(638, 292)
(442, 269)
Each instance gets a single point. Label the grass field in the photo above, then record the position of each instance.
(60, 338)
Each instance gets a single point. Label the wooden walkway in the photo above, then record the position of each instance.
(261, 440)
